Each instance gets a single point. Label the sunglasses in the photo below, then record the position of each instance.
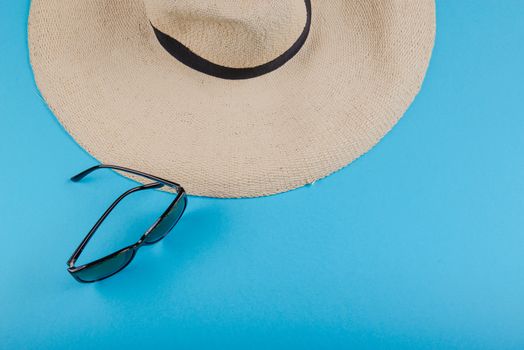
(117, 261)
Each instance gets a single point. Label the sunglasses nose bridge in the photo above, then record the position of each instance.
(139, 244)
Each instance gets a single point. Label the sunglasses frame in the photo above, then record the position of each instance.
(158, 183)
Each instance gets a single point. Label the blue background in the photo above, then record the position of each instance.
(418, 244)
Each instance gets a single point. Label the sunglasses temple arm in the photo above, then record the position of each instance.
(71, 262)
(86, 172)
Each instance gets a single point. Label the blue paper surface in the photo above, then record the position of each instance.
(419, 244)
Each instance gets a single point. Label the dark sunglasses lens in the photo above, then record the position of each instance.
(106, 267)
(168, 221)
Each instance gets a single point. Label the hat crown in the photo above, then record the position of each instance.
(237, 34)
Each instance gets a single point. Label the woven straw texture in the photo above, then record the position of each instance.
(127, 101)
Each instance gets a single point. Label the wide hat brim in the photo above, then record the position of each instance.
(127, 101)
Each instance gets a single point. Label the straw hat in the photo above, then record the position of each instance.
(230, 98)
